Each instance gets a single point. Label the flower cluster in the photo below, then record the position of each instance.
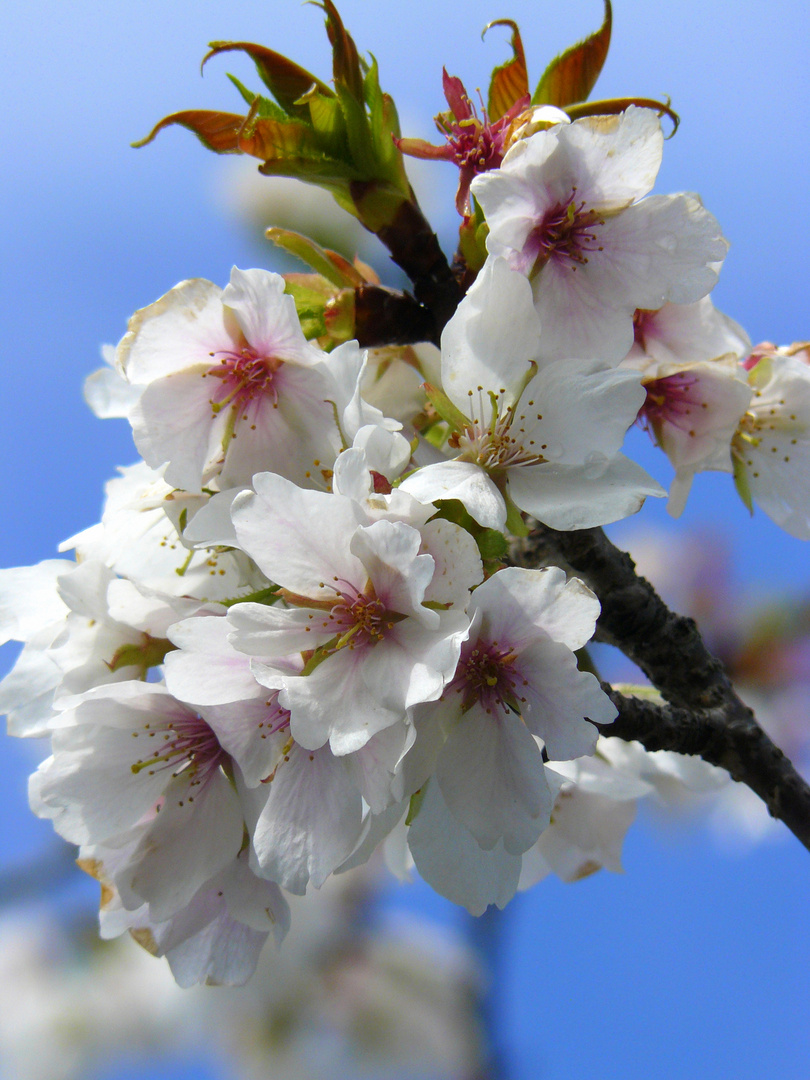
(295, 636)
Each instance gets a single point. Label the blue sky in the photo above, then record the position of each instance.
(694, 963)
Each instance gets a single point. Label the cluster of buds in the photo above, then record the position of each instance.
(296, 637)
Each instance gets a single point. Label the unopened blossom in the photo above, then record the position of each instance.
(542, 435)
(474, 144)
(231, 385)
(567, 208)
(771, 447)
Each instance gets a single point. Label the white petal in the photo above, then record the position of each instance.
(491, 774)
(460, 480)
(582, 496)
(450, 860)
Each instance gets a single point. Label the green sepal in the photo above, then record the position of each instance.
(415, 805)
(514, 520)
(643, 691)
(741, 483)
(472, 239)
(445, 408)
(492, 545)
(261, 596)
(149, 653)
(571, 76)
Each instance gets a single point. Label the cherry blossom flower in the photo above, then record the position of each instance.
(356, 592)
(231, 386)
(567, 209)
(692, 412)
(772, 443)
(134, 765)
(541, 435)
(474, 144)
(679, 334)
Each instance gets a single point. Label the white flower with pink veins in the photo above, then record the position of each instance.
(543, 436)
(231, 385)
(357, 594)
(771, 447)
(304, 808)
(517, 682)
(567, 209)
(135, 765)
(692, 412)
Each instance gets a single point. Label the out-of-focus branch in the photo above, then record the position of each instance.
(704, 715)
(729, 737)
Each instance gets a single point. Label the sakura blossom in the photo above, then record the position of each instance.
(230, 384)
(772, 441)
(567, 208)
(540, 435)
(356, 590)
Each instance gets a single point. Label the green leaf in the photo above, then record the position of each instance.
(328, 264)
(345, 60)
(263, 106)
(571, 76)
(327, 119)
(510, 80)
(492, 544)
(445, 408)
(285, 80)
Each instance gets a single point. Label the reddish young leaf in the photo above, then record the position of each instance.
(510, 81)
(611, 106)
(345, 59)
(219, 131)
(285, 80)
(571, 76)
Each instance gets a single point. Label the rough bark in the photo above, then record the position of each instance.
(704, 715)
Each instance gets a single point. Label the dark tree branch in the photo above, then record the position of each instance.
(729, 737)
(704, 716)
(415, 247)
(386, 317)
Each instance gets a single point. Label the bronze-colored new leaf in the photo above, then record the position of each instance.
(345, 59)
(286, 80)
(219, 131)
(612, 106)
(571, 76)
(510, 80)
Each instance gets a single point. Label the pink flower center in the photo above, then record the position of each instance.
(277, 719)
(643, 322)
(476, 145)
(245, 378)
(486, 675)
(568, 231)
(186, 745)
(360, 619)
(673, 400)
